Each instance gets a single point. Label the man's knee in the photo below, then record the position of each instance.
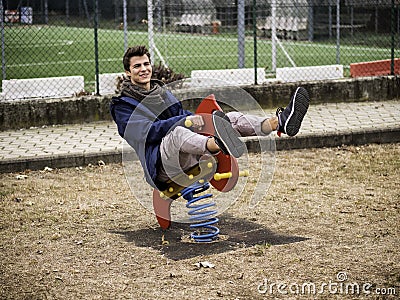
(175, 138)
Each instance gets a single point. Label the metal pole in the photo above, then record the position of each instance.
(46, 12)
(3, 56)
(125, 20)
(338, 31)
(398, 21)
(241, 35)
(86, 11)
(352, 18)
(393, 33)
(150, 30)
(330, 19)
(96, 46)
(116, 12)
(273, 34)
(158, 15)
(67, 11)
(255, 39)
(310, 21)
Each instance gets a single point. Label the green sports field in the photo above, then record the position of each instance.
(52, 51)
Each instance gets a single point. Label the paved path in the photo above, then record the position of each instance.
(77, 145)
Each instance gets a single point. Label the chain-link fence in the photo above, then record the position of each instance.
(60, 48)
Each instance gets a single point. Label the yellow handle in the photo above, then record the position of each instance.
(244, 173)
(220, 176)
(227, 175)
(188, 123)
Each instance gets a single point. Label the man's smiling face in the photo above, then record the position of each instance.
(140, 71)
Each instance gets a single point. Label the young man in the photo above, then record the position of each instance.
(152, 121)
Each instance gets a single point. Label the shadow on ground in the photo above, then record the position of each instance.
(236, 233)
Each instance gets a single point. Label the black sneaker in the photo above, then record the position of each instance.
(290, 118)
(226, 137)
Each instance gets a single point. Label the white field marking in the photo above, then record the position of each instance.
(50, 44)
(325, 46)
(62, 62)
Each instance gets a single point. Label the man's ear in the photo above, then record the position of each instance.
(128, 73)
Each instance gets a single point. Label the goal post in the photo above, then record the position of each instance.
(150, 31)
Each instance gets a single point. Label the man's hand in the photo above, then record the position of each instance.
(195, 121)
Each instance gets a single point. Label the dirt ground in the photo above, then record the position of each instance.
(327, 228)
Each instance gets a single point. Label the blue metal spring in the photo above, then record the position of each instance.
(202, 218)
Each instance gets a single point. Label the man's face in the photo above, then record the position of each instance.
(140, 71)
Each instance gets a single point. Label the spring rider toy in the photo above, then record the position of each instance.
(221, 171)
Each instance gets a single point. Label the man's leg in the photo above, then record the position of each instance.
(180, 150)
(226, 137)
(287, 120)
(250, 125)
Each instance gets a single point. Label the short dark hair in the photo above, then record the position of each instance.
(139, 50)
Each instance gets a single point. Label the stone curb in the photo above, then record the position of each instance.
(254, 144)
(59, 161)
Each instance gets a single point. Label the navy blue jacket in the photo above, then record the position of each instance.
(144, 130)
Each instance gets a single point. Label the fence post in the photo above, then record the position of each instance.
(150, 31)
(241, 35)
(338, 31)
(125, 21)
(310, 21)
(392, 26)
(45, 15)
(3, 57)
(67, 12)
(273, 35)
(96, 46)
(330, 19)
(255, 39)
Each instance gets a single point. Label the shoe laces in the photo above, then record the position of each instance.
(279, 110)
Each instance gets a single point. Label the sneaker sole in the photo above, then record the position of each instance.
(300, 104)
(229, 137)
